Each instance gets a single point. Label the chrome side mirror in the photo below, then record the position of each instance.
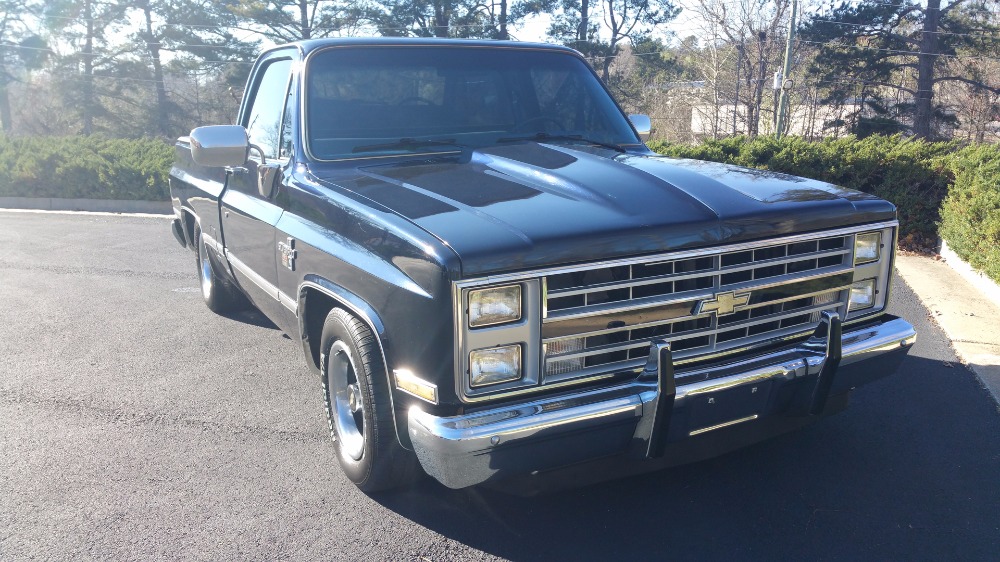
(220, 145)
(643, 125)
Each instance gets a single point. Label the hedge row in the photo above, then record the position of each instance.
(932, 184)
(970, 216)
(91, 167)
(914, 175)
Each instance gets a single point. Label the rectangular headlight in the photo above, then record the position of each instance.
(496, 305)
(866, 247)
(862, 295)
(495, 365)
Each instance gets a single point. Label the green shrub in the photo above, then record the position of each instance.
(930, 183)
(970, 216)
(912, 174)
(92, 167)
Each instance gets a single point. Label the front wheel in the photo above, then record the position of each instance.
(219, 294)
(359, 409)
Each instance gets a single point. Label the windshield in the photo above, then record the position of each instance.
(381, 101)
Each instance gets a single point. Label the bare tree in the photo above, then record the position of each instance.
(712, 60)
(755, 30)
(977, 110)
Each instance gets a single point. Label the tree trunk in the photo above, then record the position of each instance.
(87, 102)
(923, 113)
(5, 116)
(442, 17)
(757, 94)
(612, 22)
(713, 73)
(503, 20)
(606, 69)
(304, 19)
(736, 96)
(581, 32)
(153, 45)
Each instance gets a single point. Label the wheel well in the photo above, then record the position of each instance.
(316, 306)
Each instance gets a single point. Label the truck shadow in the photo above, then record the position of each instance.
(252, 317)
(897, 475)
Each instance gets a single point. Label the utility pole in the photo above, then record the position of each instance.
(786, 83)
(778, 83)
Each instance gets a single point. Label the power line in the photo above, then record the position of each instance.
(53, 51)
(899, 51)
(994, 35)
(749, 2)
(77, 19)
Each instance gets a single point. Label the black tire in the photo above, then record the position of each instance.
(359, 409)
(219, 293)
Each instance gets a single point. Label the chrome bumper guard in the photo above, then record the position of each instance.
(658, 407)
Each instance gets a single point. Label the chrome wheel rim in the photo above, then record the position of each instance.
(347, 405)
(205, 269)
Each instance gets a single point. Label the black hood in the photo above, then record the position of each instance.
(531, 205)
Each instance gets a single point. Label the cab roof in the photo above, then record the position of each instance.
(308, 45)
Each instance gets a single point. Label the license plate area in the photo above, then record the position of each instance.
(730, 406)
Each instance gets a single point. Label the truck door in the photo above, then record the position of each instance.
(248, 216)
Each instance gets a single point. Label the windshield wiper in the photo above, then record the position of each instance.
(548, 137)
(406, 143)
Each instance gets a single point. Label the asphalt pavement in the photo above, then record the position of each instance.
(137, 424)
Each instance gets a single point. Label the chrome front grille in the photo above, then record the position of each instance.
(603, 318)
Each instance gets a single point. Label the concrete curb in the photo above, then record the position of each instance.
(985, 285)
(969, 317)
(91, 205)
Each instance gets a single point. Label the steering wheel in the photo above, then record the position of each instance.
(415, 100)
(523, 125)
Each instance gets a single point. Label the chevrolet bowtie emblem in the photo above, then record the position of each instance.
(722, 303)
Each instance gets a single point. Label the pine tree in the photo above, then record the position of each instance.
(85, 25)
(284, 21)
(578, 25)
(894, 57)
(20, 48)
(195, 34)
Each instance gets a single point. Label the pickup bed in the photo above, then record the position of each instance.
(494, 277)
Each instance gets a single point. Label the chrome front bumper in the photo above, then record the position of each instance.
(642, 417)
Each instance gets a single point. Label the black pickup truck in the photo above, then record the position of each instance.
(494, 277)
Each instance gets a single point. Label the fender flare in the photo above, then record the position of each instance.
(187, 214)
(362, 311)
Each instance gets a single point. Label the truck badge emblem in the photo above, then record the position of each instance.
(288, 253)
(723, 303)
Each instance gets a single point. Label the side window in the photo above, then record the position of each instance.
(263, 122)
